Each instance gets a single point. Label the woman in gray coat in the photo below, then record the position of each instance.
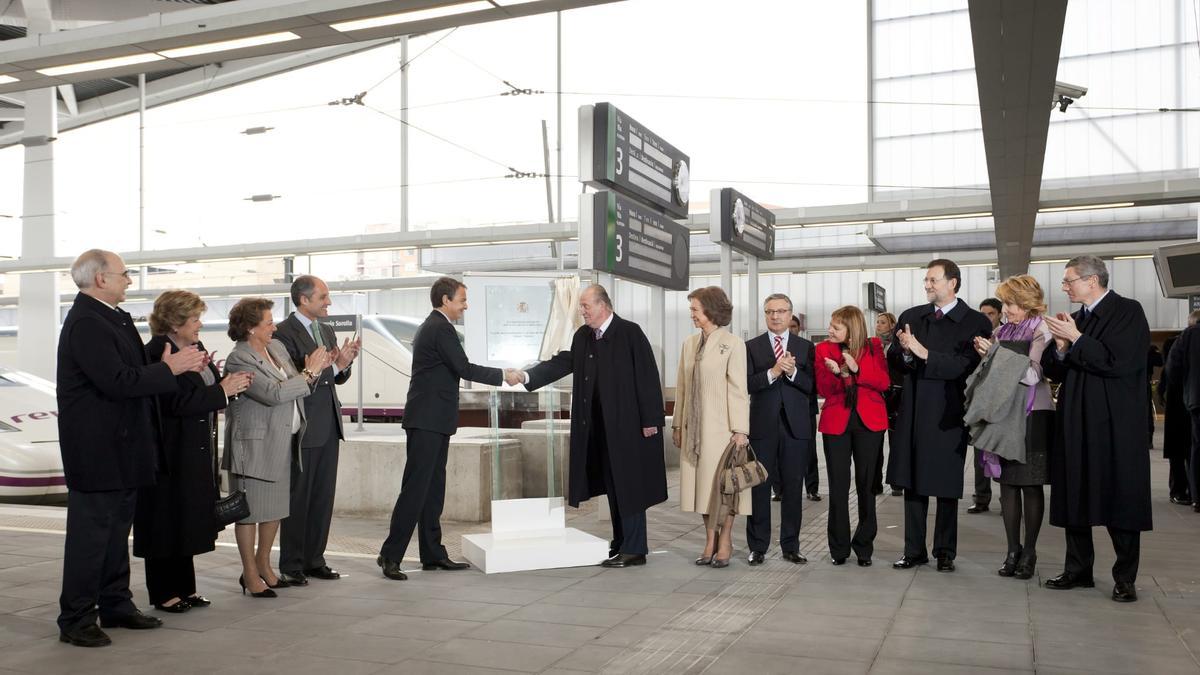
(262, 431)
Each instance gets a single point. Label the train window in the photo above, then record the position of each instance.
(6, 428)
(403, 331)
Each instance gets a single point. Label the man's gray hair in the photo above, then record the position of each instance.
(600, 294)
(778, 296)
(1088, 265)
(88, 265)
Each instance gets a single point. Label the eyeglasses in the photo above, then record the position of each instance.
(118, 274)
(1068, 282)
(776, 312)
(933, 281)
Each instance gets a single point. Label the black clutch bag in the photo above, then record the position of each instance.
(231, 508)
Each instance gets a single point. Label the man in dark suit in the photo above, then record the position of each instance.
(1180, 383)
(430, 419)
(935, 349)
(616, 416)
(1099, 462)
(109, 439)
(981, 500)
(305, 532)
(779, 366)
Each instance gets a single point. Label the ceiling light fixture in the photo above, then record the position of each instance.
(102, 64)
(951, 216)
(412, 15)
(1085, 207)
(228, 45)
(7, 79)
(844, 222)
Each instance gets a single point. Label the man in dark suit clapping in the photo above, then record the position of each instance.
(109, 438)
(430, 419)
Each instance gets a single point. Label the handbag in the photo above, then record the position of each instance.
(234, 506)
(742, 470)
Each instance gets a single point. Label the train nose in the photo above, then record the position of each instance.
(31, 473)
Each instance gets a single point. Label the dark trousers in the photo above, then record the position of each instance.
(1081, 555)
(96, 557)
(1178, 481)
(168, 578)
(1194, 464)
(863, 446)
(983, 484)
(305, 532)
(787, 458)
(629, 529)
(422, 495)
(812, 477)
(945, 526)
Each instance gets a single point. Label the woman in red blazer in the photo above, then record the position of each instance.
(852, 375)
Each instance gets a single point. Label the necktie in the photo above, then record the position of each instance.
(938, 315)
(1086, 313)
(778, 347)
(316, 333)
(598, 333)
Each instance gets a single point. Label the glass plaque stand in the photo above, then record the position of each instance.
(531, 533)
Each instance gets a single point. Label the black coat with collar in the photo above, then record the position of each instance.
(175, 517)
(793, 396)
(108, 427)
(438, 364)
(323, 408)
(630, 398)
(1099, 462)
(929, 444)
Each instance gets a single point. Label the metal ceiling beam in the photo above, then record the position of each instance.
(1016, 45)
(311, 20)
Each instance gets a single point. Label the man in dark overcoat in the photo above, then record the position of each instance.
(304, 534)
(1099, 463)
(616, 418)
(1177, 426)
(934, 348)
(109, 438)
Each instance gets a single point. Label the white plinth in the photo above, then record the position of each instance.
(531, 534)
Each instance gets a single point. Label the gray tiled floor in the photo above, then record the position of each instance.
(669, 616)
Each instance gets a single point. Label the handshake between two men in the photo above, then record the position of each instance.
(513, 377)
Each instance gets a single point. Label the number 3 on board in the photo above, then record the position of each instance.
(620, 253)
(620, 161)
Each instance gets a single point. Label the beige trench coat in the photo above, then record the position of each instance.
(725, 410)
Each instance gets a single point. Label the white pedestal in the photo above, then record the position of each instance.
(531, 534)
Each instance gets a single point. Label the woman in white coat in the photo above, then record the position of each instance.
(712, 410)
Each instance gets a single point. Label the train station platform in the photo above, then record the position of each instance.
(667, 617)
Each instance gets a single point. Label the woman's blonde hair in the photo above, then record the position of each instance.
(172, 309)
(891, 319)
(1023, 291)
(856, 327)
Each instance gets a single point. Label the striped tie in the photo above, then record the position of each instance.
(778, 347)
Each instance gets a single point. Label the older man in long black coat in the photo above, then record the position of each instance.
(934, 348)
(616, 418)
(1099, 463)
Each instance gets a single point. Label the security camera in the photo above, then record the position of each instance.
(1065, 94)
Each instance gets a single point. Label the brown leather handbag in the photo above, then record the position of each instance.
(742, 470)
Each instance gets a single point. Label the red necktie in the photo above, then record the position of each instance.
(778, 347)
(938, 314)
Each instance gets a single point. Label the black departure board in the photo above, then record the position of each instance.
(617, 152)
(744, 224)
(628, 239)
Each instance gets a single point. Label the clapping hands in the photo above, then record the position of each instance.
(910, 343)
(1063, 328)
(785, 365)
(343, 356)
(318, 360)
(189, 359)
(982, 345)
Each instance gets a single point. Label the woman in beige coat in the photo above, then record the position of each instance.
(712, 409)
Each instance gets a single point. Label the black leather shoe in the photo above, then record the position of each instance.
(294, 578)
(86, 636)
(756, 558)
(908, 563)
(813, 496)
(1009, 567)
(1027, 565)
(794, 557)
(897, 492)
(445, 564)
(322, 572)
(613, 551)
(198, 601)
(945, 564)
(1182, 501)
(1196, 507)
(1124, 591)
(864, 562)
(134, 621)
(391, 569)
(1068, 580)
(838, 561)
(978, 508)
(279, 583)
(177, 608)
(629, 560)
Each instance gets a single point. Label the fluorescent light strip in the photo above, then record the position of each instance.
(1085, 207)
(492, 243)
(102, 64)
(412, 15)
(1133, 257)
(951, 216)
(227, 45)
(1048, 262)
(7, 79)
(846, 222)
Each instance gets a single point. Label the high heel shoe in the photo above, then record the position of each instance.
(721, 562)
(177, 608)
(268, 593)
(702, 560)
(1010, 564)
(1027, 566)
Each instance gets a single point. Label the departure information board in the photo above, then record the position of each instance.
(742, 223)
(623, 237)
(617, 152)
